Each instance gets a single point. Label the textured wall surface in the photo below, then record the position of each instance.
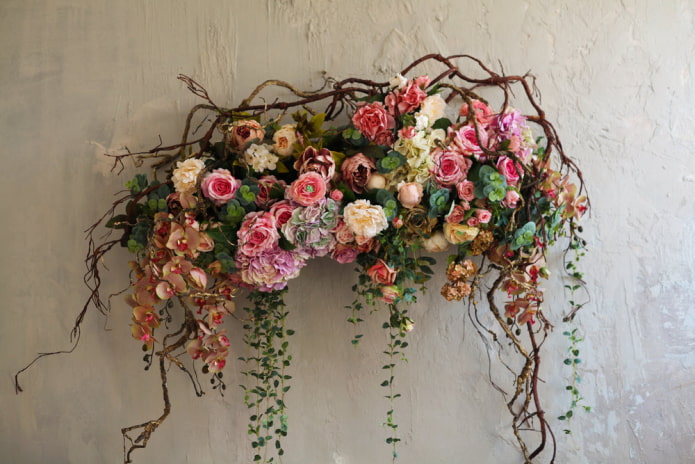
(79, 77)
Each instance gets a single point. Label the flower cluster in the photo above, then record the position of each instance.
(251, 210)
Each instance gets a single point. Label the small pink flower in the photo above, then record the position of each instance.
(483, 215)
(407, 132)
(220, 186)
(405, 100)
(511, 199)
(308, 189)
(473, 221)
(336, 195)
(482, 113)
(465, 190)
(456, 215)
(390, 293)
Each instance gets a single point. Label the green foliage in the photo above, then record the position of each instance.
(393, 160)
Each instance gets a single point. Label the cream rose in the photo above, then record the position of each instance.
(459, 233)
(433, 107)
(186, 174)
(365, 219)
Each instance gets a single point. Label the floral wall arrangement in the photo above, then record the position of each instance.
(381, 177)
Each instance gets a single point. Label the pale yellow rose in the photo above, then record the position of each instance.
(365, 219)
(186, 174)
(460, 233)
(433, 107)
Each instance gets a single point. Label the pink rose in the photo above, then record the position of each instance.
(344, 254)
(450, 167)
(258, 233)
(409, 194)
(483, 215)
(356, 172)
(473, 221)
(320, 161)
(456, 215)
(467, 141)
(336, 195)
(282, 211)
(375, 123)
(511, 199)
(381, 273)
(342, 233)
(465, 190)
(406, 99)
(219, 186)
(243, 132)
(308, 189)
(506, 167)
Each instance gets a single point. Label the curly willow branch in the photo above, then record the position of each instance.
(524, 404)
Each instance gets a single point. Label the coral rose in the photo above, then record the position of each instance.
(381, 273)
(375, 123)
(308, 189)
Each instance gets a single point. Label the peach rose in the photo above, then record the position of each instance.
(243, 132)
(381, 273)
(409, 194)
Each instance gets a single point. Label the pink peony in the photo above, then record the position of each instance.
(450, 167)
(258, 233)
(375, 123)
(483, 215)
(308, 189)
(219, 186)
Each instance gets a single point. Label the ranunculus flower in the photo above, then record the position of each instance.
(186, 173)
(365, 219)
(436, 243)
(258, 233)
(507, 168)
(381, 273)
(409, 194)
(243, 132)
(356, 172)
(375, 123)
(308, 189)
(320, 161)
(284, 140)
(457, 234)
(405, 100)
(449, 167)
(220, 186)
(465, 190)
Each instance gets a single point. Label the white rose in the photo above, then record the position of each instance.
(284, 140)
(433, 107)
(365, 219)
(260, 158)
(186, 173)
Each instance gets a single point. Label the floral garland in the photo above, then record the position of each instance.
(423, 165)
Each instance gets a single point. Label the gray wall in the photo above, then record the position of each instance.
(79, 77)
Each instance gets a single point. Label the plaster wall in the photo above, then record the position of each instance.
(78, 78)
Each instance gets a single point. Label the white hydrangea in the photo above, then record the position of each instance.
(260, 158)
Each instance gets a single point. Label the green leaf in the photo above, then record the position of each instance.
(441, 123)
